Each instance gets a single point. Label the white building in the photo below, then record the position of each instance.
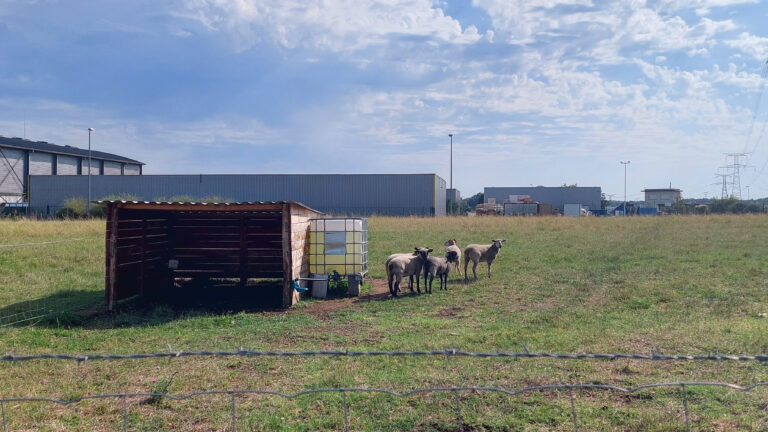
(662, 198)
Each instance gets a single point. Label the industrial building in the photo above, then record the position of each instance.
(558, 197)
(337, 194)
(21, 158)
(662, 199)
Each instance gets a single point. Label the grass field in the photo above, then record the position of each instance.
(692, 285)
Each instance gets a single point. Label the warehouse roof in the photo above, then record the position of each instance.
(43, 146)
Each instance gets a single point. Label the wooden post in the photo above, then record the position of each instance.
(243, 270)
(287, 258)
(143, 251)
(111, 255)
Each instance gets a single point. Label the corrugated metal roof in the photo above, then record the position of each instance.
(43, 146)
(216, 204)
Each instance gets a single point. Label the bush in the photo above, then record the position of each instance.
(72, 208)
(100, 210)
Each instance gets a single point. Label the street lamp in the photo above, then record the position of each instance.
(88, 204)
(625, 185)
(451, 136)
(453, 194)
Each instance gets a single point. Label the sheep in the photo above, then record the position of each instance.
(405, 265)
(481, 253)
(440, 267)
(452, 245)
(406, 255)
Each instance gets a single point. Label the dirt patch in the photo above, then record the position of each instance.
(323, 308)
(449, 312)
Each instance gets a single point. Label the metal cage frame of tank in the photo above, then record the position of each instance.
(355, 243)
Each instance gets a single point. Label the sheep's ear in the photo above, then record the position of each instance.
(430, 250)
(415, 248)
(503, 241)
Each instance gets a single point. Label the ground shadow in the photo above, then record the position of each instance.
(55, 309)
(86, 309)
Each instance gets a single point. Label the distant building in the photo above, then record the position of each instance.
(21, 158)
(587, 197)
(337, 194)
(662, 198)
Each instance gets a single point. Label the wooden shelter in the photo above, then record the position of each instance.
(151, 244)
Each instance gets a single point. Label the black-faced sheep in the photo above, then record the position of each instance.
(401, 265)
(440, 267)
(452, 245)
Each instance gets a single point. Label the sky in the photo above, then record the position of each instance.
(535, 92)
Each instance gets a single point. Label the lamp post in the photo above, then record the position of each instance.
(453, 194)
(88, 204)
(625, 185)
(451, 136)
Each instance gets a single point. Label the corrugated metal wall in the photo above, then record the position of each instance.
(588, 197)
(40, 163)
(384, 194)
(11, 174)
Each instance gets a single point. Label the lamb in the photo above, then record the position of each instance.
(452, 245)
(440, 267)
(403, 265)
(481, 253)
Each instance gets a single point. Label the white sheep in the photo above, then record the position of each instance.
(440, 267)
(481, 253)
(401, 265)
(453, 246)
(404, 256)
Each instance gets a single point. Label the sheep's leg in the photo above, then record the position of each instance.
(489, 268)
(466, 263)
(458, 268)
(418, 288)
(398, 279)
(474, 268)
(410, 282)
(390, 283)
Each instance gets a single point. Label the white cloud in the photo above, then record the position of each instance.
(755, 46)
(334, 25)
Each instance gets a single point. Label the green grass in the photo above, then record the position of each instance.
(631, 285)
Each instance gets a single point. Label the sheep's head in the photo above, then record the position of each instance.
(451, 256)
(497, 242)
(450, 242)
(423, 253)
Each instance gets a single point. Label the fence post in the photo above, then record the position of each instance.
(234, 413)
(125, 413)
(459, 418)
(346, 411)
(685, 408)
(2, 408)
(573, 411)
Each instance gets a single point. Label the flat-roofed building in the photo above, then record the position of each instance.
(661, 198)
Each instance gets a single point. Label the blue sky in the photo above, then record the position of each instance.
(536, 92)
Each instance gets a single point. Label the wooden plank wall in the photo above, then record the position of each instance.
(137, 254)
(207, 244)
(238, 245)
